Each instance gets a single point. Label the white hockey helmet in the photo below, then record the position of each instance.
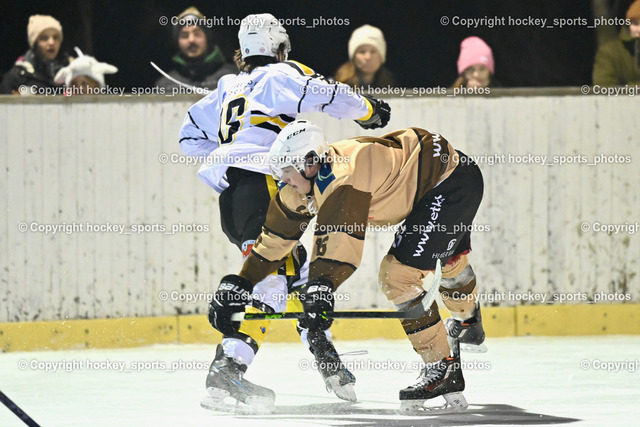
(262, 34)
(298, 144)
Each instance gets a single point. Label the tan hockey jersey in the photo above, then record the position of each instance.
(366, 180)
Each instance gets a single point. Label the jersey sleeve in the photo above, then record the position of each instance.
(287, 219)
(302, 90)
(339, 234)
(199, 132)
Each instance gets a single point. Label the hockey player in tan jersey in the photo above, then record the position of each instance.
(231, 130)
(409, 175)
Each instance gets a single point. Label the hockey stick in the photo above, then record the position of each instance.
(412, 313)
(196, 89)
(16, 410)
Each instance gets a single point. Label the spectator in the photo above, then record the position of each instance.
(475, 64)
(199, 61)
(618, 62)
(43, 59)
(84, 74)
(367, 53)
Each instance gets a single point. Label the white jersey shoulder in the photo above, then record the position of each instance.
(236, 124)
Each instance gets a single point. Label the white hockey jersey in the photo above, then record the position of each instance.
(236, 124)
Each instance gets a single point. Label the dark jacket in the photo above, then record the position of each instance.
(32, 70)
(618, 62)
(200, 72)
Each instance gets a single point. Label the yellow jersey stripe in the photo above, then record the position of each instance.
(308, 71)
(272, 186)
(256, 120)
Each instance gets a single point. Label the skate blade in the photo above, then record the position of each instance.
(216, 405)
(455, 403)
(260, 405)
(215, 401)
(474, 348)
(344, 392)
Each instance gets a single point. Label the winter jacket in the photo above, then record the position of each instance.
(618, 62)
(32, 70)
(198, 72)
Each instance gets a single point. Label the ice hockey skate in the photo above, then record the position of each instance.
(443, 378)
(226, 379)
(469, 332)
(336, 376)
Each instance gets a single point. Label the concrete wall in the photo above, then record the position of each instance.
(77, 162)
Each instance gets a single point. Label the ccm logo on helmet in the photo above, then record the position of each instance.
(298, 132)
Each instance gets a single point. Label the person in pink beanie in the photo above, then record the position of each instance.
(475, 64)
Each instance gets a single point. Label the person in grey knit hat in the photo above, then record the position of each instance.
(199, 61)
(39, 65)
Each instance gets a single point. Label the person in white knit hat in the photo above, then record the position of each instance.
(38, 66)
(84, 74)
(367, 54)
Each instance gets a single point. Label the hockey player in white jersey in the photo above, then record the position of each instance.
(232, 130)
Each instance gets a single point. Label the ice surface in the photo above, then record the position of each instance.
(525, 380)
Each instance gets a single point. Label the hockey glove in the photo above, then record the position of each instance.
(380, 116)
(232, 296)
(317, 300)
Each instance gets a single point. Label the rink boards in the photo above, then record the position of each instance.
(137, 235)
(193, 329)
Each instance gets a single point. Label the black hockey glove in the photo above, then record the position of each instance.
(232, 296)
(380, 116)
(317, 300)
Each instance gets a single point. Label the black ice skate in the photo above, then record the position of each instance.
(226, 379)
(469, 332)
(336, 377)
(443, 378)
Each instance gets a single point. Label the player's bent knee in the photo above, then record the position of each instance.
(399, 282)
(454, 266)
(457, 274)
(459, 293)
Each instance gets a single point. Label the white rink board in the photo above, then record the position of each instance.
(98, 163)
(520, 381)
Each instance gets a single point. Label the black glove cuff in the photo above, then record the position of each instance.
(380, 115)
